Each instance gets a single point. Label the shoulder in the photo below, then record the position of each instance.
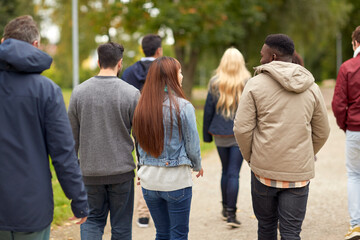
(350, 63)
(131, 68)
(45, 85)
(258, 81)
(185, 106)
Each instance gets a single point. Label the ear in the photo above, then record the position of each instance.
(159, 52)
(120, 63)
(2, 40)
(98, 63)
(357, 44)
(273, 57)
(36, 43)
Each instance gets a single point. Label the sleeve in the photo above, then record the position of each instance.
(60, 144)
(209, 111)
(74, 121)
(319, 123)
(245, 123)
(191, 136)
(340, 100)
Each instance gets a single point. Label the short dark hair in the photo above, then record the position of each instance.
(281, 42)
(109, 54)
(356, 34)
(150, 43)
(22, 28)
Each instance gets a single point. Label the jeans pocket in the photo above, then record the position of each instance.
(258, 187)
(300, 191)
(176, 195)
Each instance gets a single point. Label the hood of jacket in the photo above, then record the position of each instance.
(141, 69)
(293, 77)
(20, 56)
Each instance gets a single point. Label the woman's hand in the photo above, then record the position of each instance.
(200, 173)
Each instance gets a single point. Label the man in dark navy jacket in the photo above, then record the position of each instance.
(136, 73)
(33, 126)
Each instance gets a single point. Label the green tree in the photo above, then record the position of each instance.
(13, 9)
(208, 27)
(354, 21)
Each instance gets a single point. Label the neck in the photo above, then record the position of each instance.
(107, 72)
(357, 51)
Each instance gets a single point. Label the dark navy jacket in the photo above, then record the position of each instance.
(33, 126)
(214, 123)
(136, 73)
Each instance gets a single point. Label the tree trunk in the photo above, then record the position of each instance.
(188, 59)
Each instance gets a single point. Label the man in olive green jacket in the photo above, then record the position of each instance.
(281, 123)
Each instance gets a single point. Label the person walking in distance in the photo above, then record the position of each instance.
(169, 146)
(219, 112)
(136, 75)
(346, 108)
(34, 126)
(280, 124)
(101, 111)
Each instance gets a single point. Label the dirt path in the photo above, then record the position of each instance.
(326, 217)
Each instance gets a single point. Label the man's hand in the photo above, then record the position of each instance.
(200, 173)
(82, 220)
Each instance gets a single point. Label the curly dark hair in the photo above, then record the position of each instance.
(282, 43)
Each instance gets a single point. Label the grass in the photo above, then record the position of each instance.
(62, 209)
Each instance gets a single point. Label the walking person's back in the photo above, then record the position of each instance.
(225, 89)
(136, 75)
(280, 125)
(34, 126)
(101, 111)
(346, 108)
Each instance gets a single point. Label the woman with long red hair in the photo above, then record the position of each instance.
(164, 125)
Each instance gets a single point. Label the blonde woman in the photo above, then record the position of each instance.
(225, 89)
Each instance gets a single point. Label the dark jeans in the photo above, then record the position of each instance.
(170, 211)
(118, 199)
(231, 160)
(286, 206)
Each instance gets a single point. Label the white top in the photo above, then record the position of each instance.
(165, 178)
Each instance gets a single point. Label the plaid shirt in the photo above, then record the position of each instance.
(281, 184)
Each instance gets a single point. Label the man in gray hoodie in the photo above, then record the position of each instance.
(280, 124)
(100, 112)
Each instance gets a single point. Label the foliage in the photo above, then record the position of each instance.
(14, 8)
(354, 21)
(203, 30)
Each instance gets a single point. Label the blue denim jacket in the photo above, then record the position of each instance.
(184, 151)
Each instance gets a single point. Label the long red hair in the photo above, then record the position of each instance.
(148, 127)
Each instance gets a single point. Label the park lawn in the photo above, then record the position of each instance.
(62, 208)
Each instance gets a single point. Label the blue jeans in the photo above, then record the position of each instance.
(353, 169)
(40, 235)
(118, 199)
(231, 161)
(286, 206)
(170, 212)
